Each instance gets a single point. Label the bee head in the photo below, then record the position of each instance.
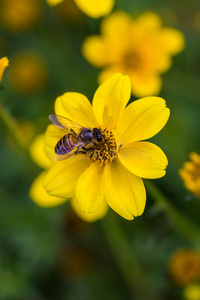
(97, 134)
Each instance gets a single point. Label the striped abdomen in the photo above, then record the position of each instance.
(66, 144)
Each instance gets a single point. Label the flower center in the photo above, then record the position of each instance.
(105, 151)
(131, 60)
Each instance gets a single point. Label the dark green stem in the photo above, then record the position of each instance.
(11, 126)
(184, 225)
(131, 270)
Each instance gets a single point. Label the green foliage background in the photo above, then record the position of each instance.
(50, 253)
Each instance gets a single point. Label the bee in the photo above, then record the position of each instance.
(78, 139)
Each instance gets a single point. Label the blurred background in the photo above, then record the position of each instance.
(49, 253)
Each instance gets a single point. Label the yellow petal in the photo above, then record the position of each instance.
(124, 192)
(39, 195)
(90, 217)
(143, 85)
(111, 98)
(96, 52)
(95, 9)
(172, 40)
(54, 2)
(116, 25)
(143, 118)
(89, 189)
(77, 108)
(62, 177)
(3, 64)
(52, 135)
(38, 154)
(108, 72)
(144, 159)
(149, 20)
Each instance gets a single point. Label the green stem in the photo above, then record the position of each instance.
(133, 275)
(184, 225)
(11, 126)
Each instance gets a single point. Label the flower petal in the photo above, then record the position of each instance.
(144, 159)
(111, 98)
(62, 177)
(38, 154)
(77, 108)
(39, 195)
(4, 62)
(90, 217)
(143, 85)
(89, 189)
(96, 51)
(124, 192)
(95, 9)
(143, 118)
(172, 40)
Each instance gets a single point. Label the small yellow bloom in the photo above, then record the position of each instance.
(28, 74)
(19, 15)
(192, 292)
(93, 9)
(190, 173)
(140, 48)
(3, 64)
(37, 192)
(184, 266)
(110, 171)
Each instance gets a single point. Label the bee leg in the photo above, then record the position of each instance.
(73, 132)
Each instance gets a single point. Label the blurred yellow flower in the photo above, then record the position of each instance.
(184, 266)
(190, 173)
(28, 74)
(110, 172)
(19, 15)
(37, 192)
(140, 48)
(3, 64)
(192, 292)
(94, 9)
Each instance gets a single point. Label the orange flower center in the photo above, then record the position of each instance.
(131, 59)
(105, 151)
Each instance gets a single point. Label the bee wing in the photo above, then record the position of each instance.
(62, 122)
(73, 151)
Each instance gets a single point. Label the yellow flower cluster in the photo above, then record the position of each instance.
(140, 48)
(190, 173)
(96, 155)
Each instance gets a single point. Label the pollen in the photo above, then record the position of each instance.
(105, 151)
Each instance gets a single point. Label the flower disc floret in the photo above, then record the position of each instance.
(107, 149)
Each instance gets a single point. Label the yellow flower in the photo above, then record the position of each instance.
(3, 64)
(111, 171)
(190, 173)
(94, 9)
(28, 74)
(192, 292)
(19, 15)
(37, 192)
(139, 48)
(184, 266)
